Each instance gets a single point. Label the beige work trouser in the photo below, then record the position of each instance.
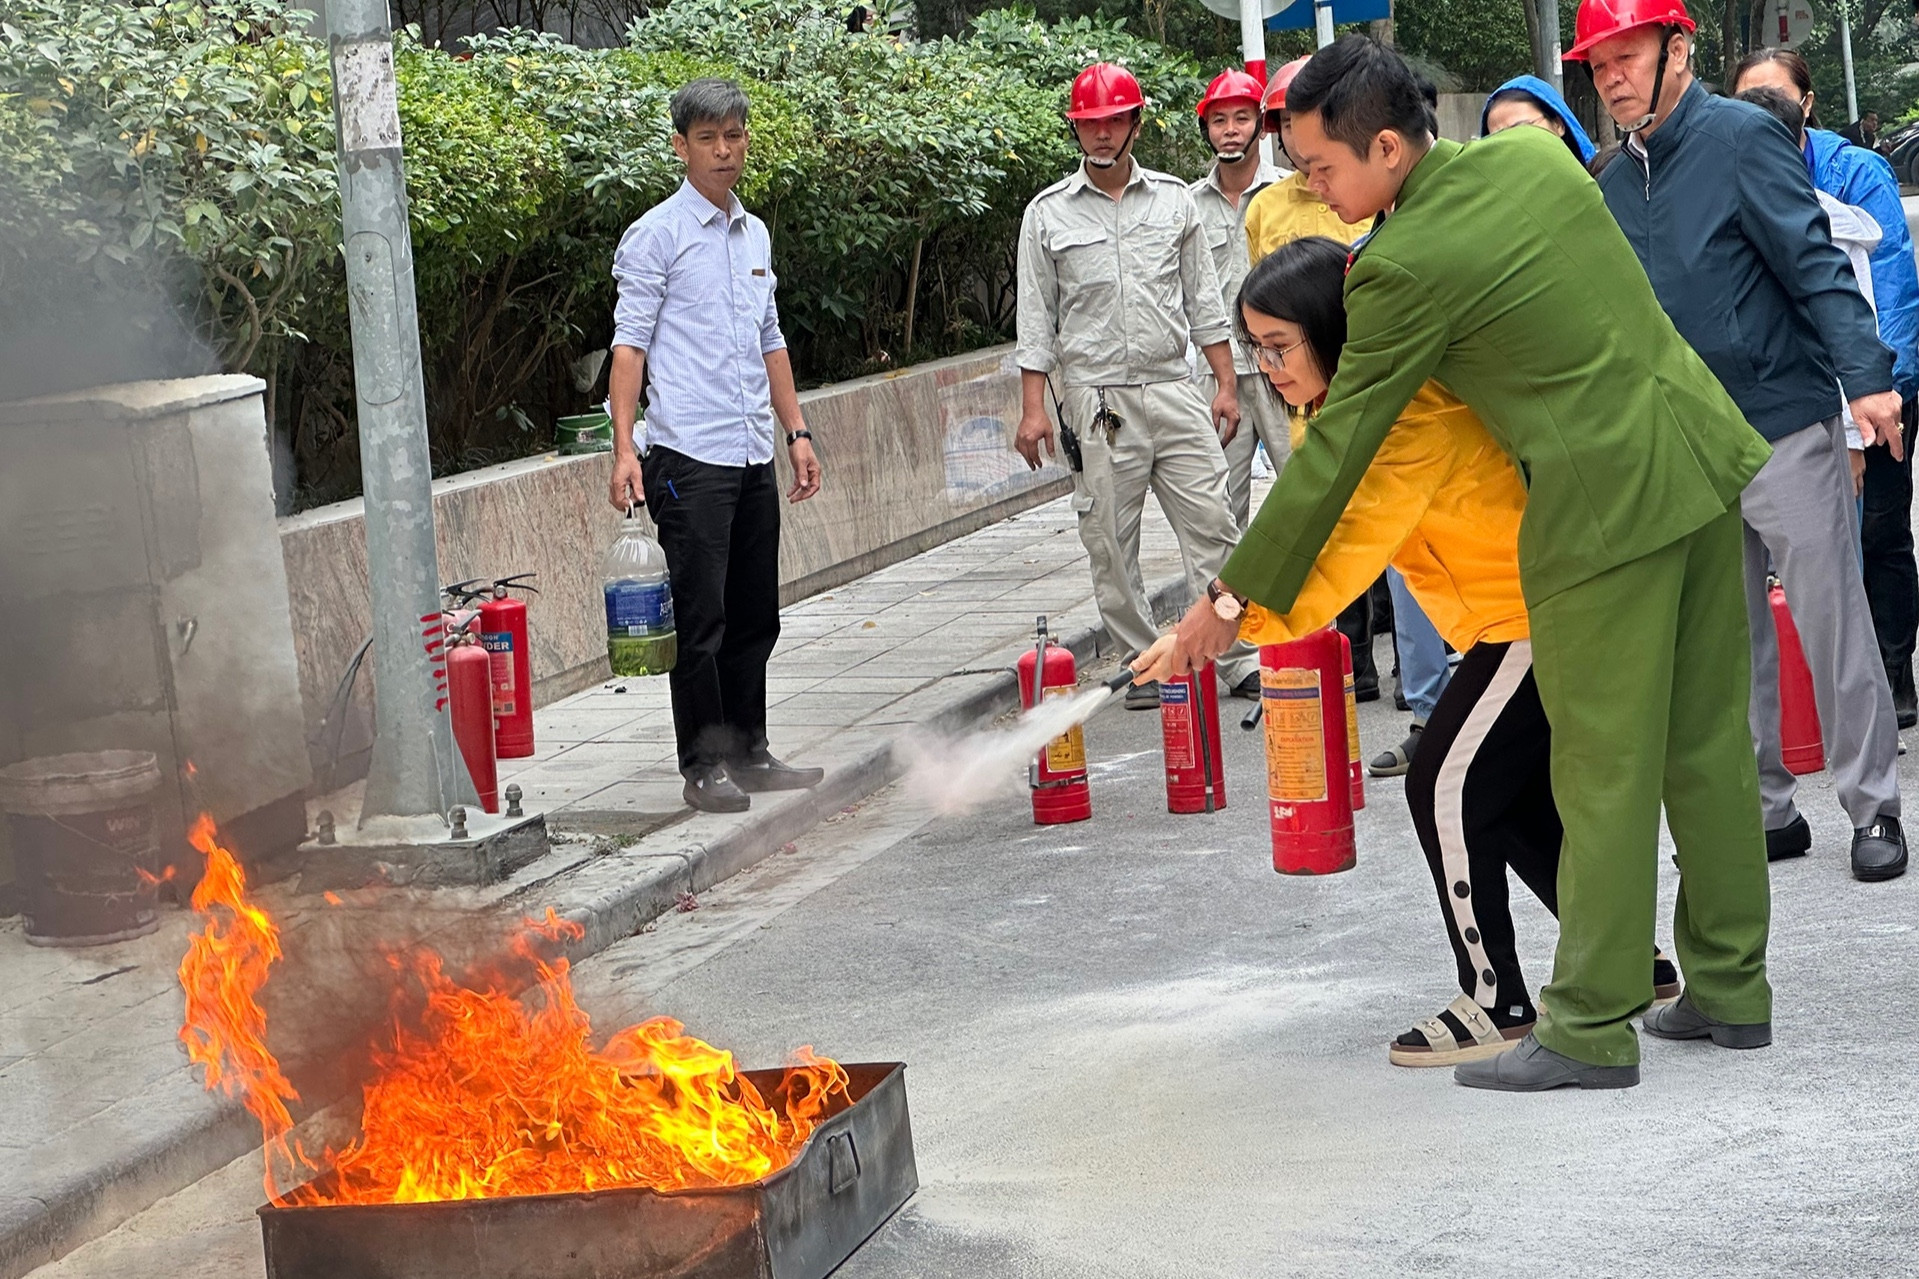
(1166, 442)
(1263, 416)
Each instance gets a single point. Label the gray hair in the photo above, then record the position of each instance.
(708, 98)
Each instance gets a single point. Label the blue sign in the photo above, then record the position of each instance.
(1298, 16)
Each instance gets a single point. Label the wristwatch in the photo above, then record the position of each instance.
(1226, 604)
(794, 436)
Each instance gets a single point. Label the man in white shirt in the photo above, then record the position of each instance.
(696, 311)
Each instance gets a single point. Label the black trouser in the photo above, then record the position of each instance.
(1481, 795)
(1885, 538)
(720, 528)
(1355, 622)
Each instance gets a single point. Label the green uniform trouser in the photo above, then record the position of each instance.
(1644, 672)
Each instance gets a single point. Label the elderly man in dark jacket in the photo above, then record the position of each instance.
(1716, 200)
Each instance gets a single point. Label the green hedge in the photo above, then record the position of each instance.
(184, 149)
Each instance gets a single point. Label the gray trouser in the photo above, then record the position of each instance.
(1262, 417)
(1167, 441)
(1799, 510)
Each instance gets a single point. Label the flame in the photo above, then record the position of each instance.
(225, 1028)
(484, 1094)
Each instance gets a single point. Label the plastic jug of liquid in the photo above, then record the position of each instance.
(640, 639)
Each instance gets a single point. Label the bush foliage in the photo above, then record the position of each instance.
(184, 148)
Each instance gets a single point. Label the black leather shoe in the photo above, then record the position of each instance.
(1791, 840)
(1905, 699)
(1879, 850)
(1248, 688)
(763, 773)
(712, 791)
(1143, 697)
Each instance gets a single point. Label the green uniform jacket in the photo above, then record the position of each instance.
(1502, 274)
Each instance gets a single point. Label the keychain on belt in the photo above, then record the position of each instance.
(1107, 419)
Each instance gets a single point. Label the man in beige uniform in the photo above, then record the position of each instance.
(1115, 278)
(1229, 118)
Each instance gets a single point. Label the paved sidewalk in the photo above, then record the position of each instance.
(102, 1115)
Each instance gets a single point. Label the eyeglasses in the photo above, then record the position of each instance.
(1272, 358)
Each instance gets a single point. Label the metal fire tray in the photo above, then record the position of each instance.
(799, 1223)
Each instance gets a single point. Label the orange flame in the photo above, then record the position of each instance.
(225, 966)
(485, 1094)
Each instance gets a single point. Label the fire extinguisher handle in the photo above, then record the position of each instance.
(502, 583)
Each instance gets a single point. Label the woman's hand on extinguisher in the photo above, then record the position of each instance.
(1155, 663)
(625, 491)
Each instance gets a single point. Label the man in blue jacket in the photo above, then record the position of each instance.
(1854, 175)
(1717, 201)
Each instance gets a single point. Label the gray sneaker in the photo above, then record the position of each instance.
(1683, 1021)
(1533, 1067)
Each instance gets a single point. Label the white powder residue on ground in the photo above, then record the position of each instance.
(953, 775)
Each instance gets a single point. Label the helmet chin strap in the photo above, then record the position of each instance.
(1096, 161)
(1658, 84)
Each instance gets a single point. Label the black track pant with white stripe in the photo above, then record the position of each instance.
(1480, 790)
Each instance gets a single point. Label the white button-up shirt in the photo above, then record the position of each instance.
(696, 295)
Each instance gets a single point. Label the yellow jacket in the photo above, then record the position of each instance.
(1440, 502)
(1287, 211)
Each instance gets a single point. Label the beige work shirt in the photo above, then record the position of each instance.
(1110, 291)
(1225, 225)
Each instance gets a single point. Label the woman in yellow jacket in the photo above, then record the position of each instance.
(1442, 504)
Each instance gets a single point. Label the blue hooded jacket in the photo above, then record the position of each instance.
(1548, 98)
(1854, 175)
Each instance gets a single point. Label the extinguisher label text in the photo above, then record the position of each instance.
(499, 648)
(1295, 734)
(1176, 724)
(1067, 752)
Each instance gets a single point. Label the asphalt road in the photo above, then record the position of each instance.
(1136, 1051)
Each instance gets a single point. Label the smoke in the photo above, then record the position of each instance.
(953, 775)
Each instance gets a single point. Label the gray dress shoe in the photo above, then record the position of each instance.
(1533, 1067)
(762, 772)
(1683, 1021)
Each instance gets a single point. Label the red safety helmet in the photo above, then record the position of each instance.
(1102, 90)
(1229, 86)
(1603, 19)
(1275, 100)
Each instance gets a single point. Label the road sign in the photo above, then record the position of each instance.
(1298, 16)
(1787, 22)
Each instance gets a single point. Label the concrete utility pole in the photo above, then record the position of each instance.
(1322, 22)
(1252, 38)
(1845, 55)
(1551, 69)
(412, 770)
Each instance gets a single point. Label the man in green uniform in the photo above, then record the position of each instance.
(1500, 272)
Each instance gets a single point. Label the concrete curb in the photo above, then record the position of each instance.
(611, 898)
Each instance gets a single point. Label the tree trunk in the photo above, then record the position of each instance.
(912, 298)
(1730, 48)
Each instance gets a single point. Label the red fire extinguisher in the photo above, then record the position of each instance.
(1302, 691)
(1801, 747)
(1058, 777)
(503, 632)
(470, 698)
(1355, 772)
(1189, 724)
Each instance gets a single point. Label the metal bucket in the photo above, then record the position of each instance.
(84, 845)
(798, 1223)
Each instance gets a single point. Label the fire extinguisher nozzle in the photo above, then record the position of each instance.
(1119, 679)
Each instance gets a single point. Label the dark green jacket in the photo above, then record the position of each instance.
(1502, 274)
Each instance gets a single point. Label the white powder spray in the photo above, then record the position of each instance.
(953, 775)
